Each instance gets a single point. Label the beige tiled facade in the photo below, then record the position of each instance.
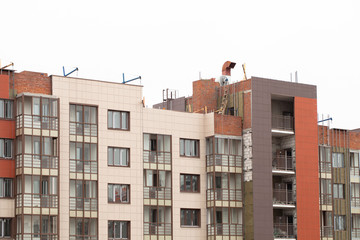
(112, 96)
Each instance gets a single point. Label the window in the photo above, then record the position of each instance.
(189, 147)
(118, 230)
(6, 147)
(83, 228)
(157, 148)
(189, 183)
(118, 156)
(6, 108)
(339, 190)
(190, 217)
(118, 193)
(118, 120)
(338, 160)
(5, 227)
(6, 187)
(325, 191)
(340, 223)
(83, 195)
(83, 120)
(83, 157)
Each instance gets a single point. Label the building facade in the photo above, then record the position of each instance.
(84, 159)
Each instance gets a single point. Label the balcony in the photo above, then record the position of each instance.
(282, 125)
(224, 229)
(325, 167)
(355, 233)
(325, 199)
(355, 202)
(30, 121)
(37, 161)
(327, 231)
(283, 198)
(157, 193)
(223, 160)
(157, 157)
(157, 228)
(223, 194)
(284, 230)
(283, 165)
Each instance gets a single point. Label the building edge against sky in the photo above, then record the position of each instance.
(85, 159)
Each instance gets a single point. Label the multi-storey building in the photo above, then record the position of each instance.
(84, 159)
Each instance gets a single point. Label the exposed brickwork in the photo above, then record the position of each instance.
(33, 82)
(247, 110)
(354, 140)
(204, 94)
(227, 125)
(4, 86)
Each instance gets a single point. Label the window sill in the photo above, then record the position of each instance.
(184, 156)
(119, 129)
(188, 192)
(119, 166)
(125, 203)
(186, 226)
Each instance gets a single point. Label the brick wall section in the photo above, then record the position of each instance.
(227, 125)
(323, 135)
(204, 94)
(354, 140)
(33, 82)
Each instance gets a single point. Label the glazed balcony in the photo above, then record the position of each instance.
(284, 231)
(37, 122)
(355, 233)
(325, 199)
(224, 229)
(36, 161)
(157, 157)
(283, 198)
(224, 195)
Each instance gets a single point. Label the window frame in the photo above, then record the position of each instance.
(127, 153)
(192, 175)
(2, 226)
(198, 212)
(337, 226)
(336, 194)
(4, 189)
(4, 102)
(336, 162)
(112, 223)
(128, 195)
(3, 145)
(197, 142)
(120, 123)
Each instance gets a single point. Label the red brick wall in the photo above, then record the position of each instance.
(227, 125)
(7, 168)
(307, 179)
(4, 86)
(204, 94)
(354, 138)
(33, 82)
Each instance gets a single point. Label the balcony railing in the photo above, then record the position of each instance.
(37, 161)
(223, 160)
(355, 201)
(283, 196)
(157, 157)
(83, 166)
(284, 230)
(87, 204)
(157, 193)
(282, 122)
(354, 171)
(225, 229)
(325, 199)
(355, 232)
(34, 200)
(325, 167)
(326, 231)
(224, 194)
(157, 228)
(283, 163)
(44, 122)
(83, 129)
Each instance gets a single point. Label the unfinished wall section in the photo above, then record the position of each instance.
(33, 82)
(227, 125)
(204, 94)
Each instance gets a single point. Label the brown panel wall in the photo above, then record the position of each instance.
(307, 180)
(262, 89)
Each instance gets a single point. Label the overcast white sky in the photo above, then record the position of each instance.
(169, 42)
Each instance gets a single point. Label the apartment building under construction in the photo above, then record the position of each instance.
(84, 159)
